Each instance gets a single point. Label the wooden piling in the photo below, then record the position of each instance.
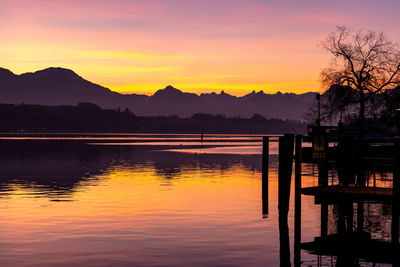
(360, 216)
(396, 192)
(286, 145)
(346, 160)
(265, 167)
(320, 147)
(297, 174)
(297, 201)
(324, 219)
(349, 217)
(284, 244)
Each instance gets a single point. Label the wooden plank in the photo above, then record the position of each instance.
(348, 192)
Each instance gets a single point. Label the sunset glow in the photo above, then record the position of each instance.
(197, 46)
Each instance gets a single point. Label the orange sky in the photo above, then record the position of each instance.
(197, 46)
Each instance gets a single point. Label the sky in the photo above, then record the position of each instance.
(133, 46)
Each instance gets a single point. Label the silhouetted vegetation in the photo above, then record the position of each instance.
(365, 64)
(87, 117)
(382, 119)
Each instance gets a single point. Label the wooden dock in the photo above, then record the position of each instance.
(349, 193)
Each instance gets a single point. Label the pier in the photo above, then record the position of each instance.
(347, 193)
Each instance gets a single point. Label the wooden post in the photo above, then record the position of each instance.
(324, 219)
(349, 216)
(265, 167)
(322, 172)
(320, 153)
(297, 201)
(286, 144)
(284, 245)
(360, 216)
(396, 192)
(345, 160)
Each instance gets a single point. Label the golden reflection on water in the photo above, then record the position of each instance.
(128, 211)
(129, 206)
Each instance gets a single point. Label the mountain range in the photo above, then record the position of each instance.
(59, 86)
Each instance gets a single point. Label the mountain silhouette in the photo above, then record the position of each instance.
(60, 86)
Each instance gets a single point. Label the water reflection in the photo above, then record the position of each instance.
(354, 234)
(66, 203)
(69, 203)
(357, 229)
(57, 168)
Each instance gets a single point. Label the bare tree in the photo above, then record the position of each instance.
(364, 61)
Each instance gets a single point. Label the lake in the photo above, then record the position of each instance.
(152, 200)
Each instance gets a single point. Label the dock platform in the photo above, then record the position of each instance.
(353, 193)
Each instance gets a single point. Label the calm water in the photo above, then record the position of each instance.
(149, 200)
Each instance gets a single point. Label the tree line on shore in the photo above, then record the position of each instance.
(88, 117)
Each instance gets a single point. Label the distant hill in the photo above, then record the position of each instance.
(58, 86)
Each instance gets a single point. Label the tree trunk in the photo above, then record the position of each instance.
(361, 116)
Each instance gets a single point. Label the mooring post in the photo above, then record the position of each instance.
(286, 144)
(360, 216)
(345, 160)
(360, 182)
(324, 219)
(323, 177)
(323, 172)
(320, 153)
(297, 201)
(396, 191)
(265, 167)
(284, 245)
(349, 217)
(341, 218)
